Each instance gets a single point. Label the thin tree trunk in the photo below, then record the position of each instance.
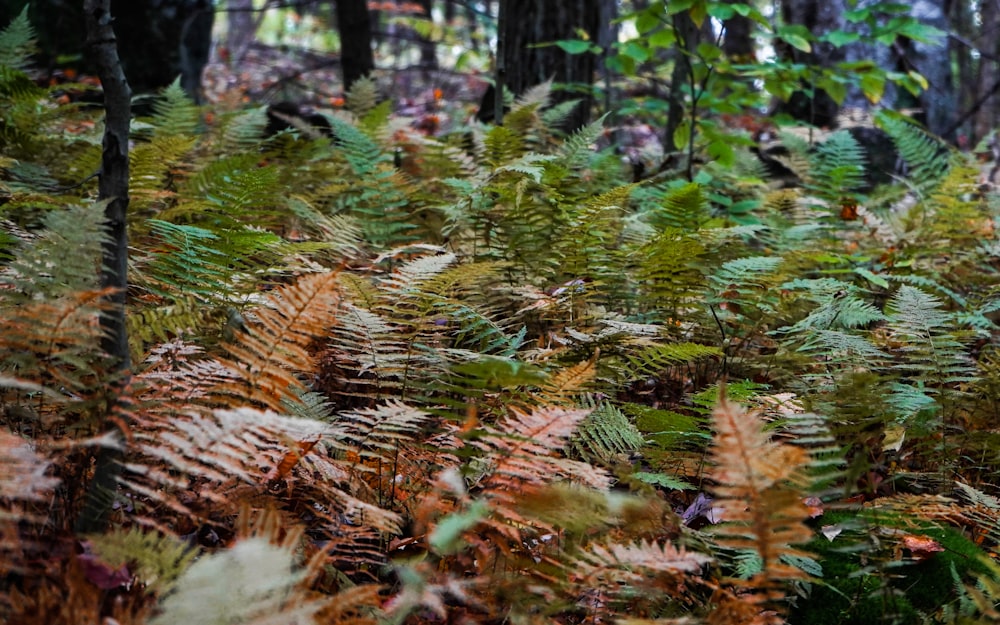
(113, 189)
(357, 60)
(428, 51)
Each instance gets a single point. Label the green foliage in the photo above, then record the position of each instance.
(395, 348)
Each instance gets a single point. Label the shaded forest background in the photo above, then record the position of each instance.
(307, 50)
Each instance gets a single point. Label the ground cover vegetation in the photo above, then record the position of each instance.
(379, 376)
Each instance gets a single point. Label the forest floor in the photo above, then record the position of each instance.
(270, 74)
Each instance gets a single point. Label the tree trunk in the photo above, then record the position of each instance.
(984, 118)
(819, 17)
(356, 58)
(532, 22)
(241, 29)
(737, 42)
(428, 52)
(157, 39)
(113, 189)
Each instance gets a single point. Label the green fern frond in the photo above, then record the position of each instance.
(927, 157)
(654, 360)
(230, 188)
(684, 208)
(666, 272)
(17, 42)
(198, 262)
(607, 435)
(175, 113)
(156, 560)
(186, 316)
(930, 350)
(150, 166)
(243, 130)
(837, 167)
(362, 97)
(576, 150)
(360, 151)
(501, 145)
(556, 116)
(63, 259)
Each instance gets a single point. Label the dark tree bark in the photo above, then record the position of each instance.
(241, 29)
(113, 189)
(532, 22)
(811, 105)
(357, 60)
(159, 40)
(428, 51)
(688, 35)
(737, 42)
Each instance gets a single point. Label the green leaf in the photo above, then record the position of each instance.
(873, 86)
(663, 38)
(647, 21)
(446, 537)
(682, 135)
(721, 11)
(637, 51)
(840, 38)
(722, 151)
(575, 46)
(659, 479)
(875, 279)
(796, 36)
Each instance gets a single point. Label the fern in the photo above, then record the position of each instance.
(174, 113)
(252, 582)
(926, 157)
(362, 97)
(762, 511)
(607, 434)
(930, 357)
(156, 560)
(271, 350)
(654, 360)
(17, 42)
(837, 168)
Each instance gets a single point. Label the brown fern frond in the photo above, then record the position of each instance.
(273, 348)
(214, 456)
(610, 565)
(54, 344)
(755, 479)
(22, 472)
(564, 386)
(524, 450)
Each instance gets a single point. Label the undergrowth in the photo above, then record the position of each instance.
(395, 378)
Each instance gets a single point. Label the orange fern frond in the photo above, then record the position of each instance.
(612, 564)
(755, 487)
(273, 348)
(524, 449)
(212, 454)
(563, 387)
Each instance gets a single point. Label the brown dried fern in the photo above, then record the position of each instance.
(273, 348)
(756, 481)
